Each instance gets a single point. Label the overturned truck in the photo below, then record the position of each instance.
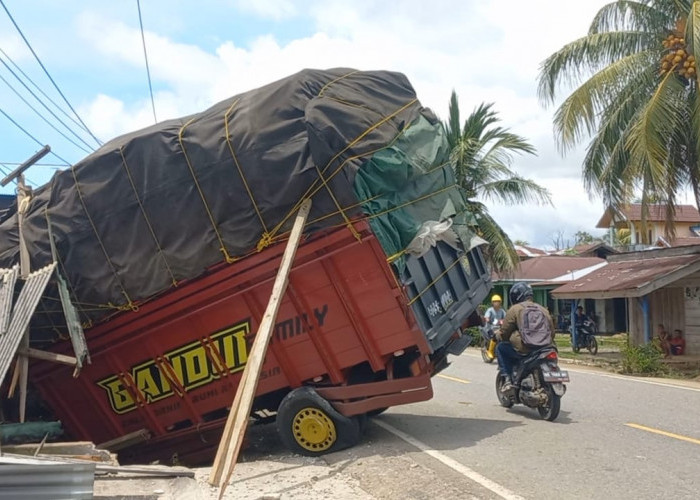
(168, 241)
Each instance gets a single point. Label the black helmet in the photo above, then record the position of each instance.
(520, 292)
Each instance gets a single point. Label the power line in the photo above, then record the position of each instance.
(2, 3)
(30, 135)
(5, 170)
(40, 90)
(145, 56)
(15, 163)
(42, 116)
(42, 103)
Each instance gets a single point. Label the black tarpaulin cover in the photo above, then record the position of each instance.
(163, 204)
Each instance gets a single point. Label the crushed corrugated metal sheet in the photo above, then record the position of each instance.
(38, 480)
(628, 278)
(8, 278)
(22, 311)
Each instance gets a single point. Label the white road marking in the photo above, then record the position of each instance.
(634, 379)
(451, 463)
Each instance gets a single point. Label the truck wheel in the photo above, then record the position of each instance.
(307, 424)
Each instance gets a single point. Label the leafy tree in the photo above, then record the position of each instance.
(584, 238)
(482, 155)
(521, 243)
(636, 95)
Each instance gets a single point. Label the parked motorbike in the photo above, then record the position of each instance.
(585, 338)
(538, 383)
(488, 348)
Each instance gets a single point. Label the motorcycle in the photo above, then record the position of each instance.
(585, 337)
(538, 383)
(488, 348)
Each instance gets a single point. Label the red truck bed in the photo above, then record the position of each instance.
(173, 366)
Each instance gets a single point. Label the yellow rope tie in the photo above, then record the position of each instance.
(337, 204)
(442, 274)
(145, 217)
(240, 172)
(265, 241)
(313, 185)
(97, 235)
(222, 246)
(335, 80)
(395, 256)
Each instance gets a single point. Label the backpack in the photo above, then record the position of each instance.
(535, 329)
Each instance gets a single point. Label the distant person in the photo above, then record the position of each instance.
(495, 313)
(579, 317)
(677, 343)
(661, 341)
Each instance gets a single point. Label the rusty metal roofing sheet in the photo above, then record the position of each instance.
(546, 267)
(630, 278)
(24, 307)
(46, 480)
(8, 277)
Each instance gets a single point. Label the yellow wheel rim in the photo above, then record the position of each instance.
(313, 429)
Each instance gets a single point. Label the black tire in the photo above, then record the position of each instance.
(504, 400)
(575, 346)
(550, 411)
(485, 356)
(307, 424)
(592, 345)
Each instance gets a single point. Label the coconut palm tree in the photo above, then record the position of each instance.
(482, 155)
(635, 96)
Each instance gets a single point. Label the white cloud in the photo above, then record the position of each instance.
(270, 9)
(488, 51)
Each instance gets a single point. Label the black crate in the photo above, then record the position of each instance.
(444, 287)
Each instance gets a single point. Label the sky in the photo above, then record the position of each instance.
(205, 51)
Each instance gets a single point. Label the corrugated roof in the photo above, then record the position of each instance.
(38, 480)
(22, 312)
(8, 278)
(630, 278)
(677, 242)
(657, 213)
(527, 251)
(547, 267)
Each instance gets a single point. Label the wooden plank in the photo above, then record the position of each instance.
(47, 356)
(227, 454)
(126, 440)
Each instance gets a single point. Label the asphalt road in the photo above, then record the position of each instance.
(616, 437)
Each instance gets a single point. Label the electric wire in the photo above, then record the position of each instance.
(2, 111)
(5, 170)
(34, 84)
(42, 116)
(145, 56)
(44, 104)
(2, 3)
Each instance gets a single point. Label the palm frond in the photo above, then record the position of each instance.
(629, 15)
(586, 55)
(516, 190)
(578, 115)
(452, 125)
(501, 252)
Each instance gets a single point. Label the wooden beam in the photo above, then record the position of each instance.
(47, 356)
(230, 445)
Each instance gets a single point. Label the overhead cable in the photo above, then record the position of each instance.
(30, 135)
(56, 105)
(145, 56)
(44, 104)
(43, 117)
(2, 3)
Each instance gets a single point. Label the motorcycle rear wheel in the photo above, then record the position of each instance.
(592, 345)
(550, 411)
(505, 401)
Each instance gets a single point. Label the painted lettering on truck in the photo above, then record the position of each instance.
(191, 365)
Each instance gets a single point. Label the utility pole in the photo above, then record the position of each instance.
(24, 198)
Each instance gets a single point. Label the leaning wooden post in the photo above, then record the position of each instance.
(230, 445)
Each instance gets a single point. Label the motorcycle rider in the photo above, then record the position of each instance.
(495, 313)
(511, 349)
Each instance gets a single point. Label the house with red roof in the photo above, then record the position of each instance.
(686, 221)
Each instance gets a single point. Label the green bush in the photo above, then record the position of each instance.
(643, 359)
